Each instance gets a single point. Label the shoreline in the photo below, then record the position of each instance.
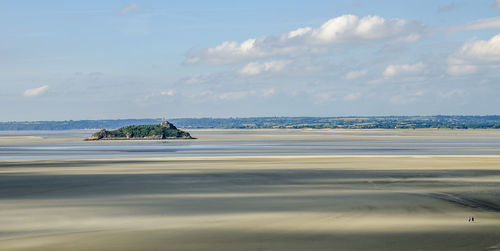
(138, 139)
(283, 129)
(414, 156)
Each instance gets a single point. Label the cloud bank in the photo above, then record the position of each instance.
(336, 31)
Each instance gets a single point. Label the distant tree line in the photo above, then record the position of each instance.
(75, 124)
(375, 122)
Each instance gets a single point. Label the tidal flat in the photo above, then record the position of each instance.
(252, 190)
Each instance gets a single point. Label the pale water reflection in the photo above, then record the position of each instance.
(69, 144)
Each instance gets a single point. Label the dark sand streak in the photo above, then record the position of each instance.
(473, 203)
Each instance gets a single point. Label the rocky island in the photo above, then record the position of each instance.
(164, 130)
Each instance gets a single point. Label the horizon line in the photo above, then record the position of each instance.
(250, 117)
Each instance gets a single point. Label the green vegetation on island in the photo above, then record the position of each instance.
(165, 130)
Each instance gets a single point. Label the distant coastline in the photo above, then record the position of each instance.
(346, 122)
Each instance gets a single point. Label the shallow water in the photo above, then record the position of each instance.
(70, 144)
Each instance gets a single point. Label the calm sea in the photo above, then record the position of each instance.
(70, 144)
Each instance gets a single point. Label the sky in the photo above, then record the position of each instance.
(63, 60)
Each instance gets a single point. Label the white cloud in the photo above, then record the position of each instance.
(199, 95)
(355, 74)
(35, 92)
(406, 98)
(268, 92)
(129, 8)
(460, 67)
(410, 38)
(298, 32)
(352, 96)
(452, 93)
(480, 24)
(168, 93)
(447, 8)
(339, 30)
(485, 50)
(229, 52)
(156, 94)
(230, 96)
(403, 69)
(336, 29)
(324, 97)
(254, 68)
(375, 81)
(194, 80)
(234, 95)
(350, 28)
(475, 54)
(497, 4)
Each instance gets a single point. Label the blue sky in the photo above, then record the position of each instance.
(137, 59)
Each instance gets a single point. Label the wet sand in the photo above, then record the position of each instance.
(251, 203)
